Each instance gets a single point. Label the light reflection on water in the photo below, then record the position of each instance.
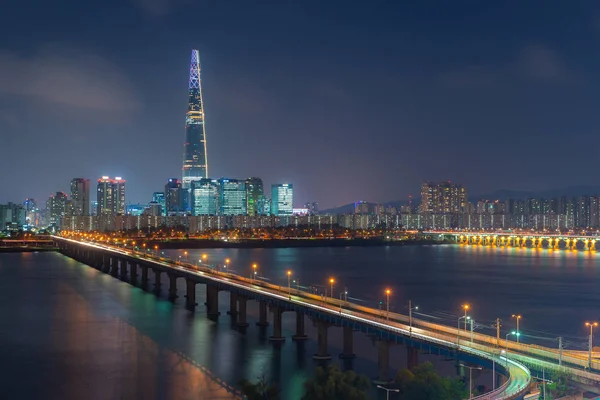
(69, 331)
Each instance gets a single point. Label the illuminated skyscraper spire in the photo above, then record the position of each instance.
(195, 163)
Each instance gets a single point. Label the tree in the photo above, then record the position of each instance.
(331, 383)
(424, 383)
(261, 390)
(559, 386)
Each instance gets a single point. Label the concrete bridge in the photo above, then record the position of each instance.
(515, 239)
(509, 359)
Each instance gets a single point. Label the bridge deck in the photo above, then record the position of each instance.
(480, 345)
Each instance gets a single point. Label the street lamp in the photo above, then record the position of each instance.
(410, 310)
(466, 308)
(289, 274)
(254, 267)
(226, 263)
(204, 257)
(388, 391)
(387, 295)
(156, 250)
(506, 343)
(458, 329)
(185, 254)
(592, 325)
(471, 378)
(518, 318)
(331, 282)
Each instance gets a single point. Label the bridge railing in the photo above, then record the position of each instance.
(337, 305)
(465, 336)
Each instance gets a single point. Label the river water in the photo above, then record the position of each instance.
(69, 331)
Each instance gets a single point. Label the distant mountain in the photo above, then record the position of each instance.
(502, 194)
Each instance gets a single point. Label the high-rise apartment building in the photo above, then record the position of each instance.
(361, 207)
(56, 208)
(205, 197)
(80, 196)
(195, 162)
(282, 199)
(232, 197)
(110, 196)
(443, 198)
(254, 192)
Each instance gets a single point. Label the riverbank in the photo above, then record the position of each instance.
(26, 249)
(280, 243)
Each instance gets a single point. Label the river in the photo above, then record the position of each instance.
(69, 331)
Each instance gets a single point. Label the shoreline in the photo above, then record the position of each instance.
(281, 243)
(26, 249)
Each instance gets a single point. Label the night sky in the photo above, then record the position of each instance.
(347, 100)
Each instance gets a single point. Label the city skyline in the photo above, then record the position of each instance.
(405, 96)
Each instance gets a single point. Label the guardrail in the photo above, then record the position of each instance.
(356, 312)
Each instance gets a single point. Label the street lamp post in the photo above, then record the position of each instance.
(410, 310)
(471, 378)
(458, 329)
(289, 275)
(466, 308)
(506, 345)
(254, 267)
(331, 282)
(387, 295)
(226, 263)
(388, 391)
(518, 318)
(592, 325)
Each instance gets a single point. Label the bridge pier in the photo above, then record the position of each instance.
(134, 273)
(114, 266)
(348, 346)
(241, 314)
(412, 357)
(300, 335)
(190, 294)
(144, 277)
(123, 274)
(172, 286)
(105, 264)
(262, 314)
(212, 300)
(383, 360)
(277, 331)
(157, 274)
(233, 299)
(322, 354)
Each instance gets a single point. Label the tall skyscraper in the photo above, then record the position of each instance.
(56, 208)
(195, 163)
(80, 196)
(282, 199)
(104, 196)
(175, 197)
(110, 196)
(254, 192)
(232, 197)
(205, 197)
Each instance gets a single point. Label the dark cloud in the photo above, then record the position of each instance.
(542, 63)
(69, 77)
